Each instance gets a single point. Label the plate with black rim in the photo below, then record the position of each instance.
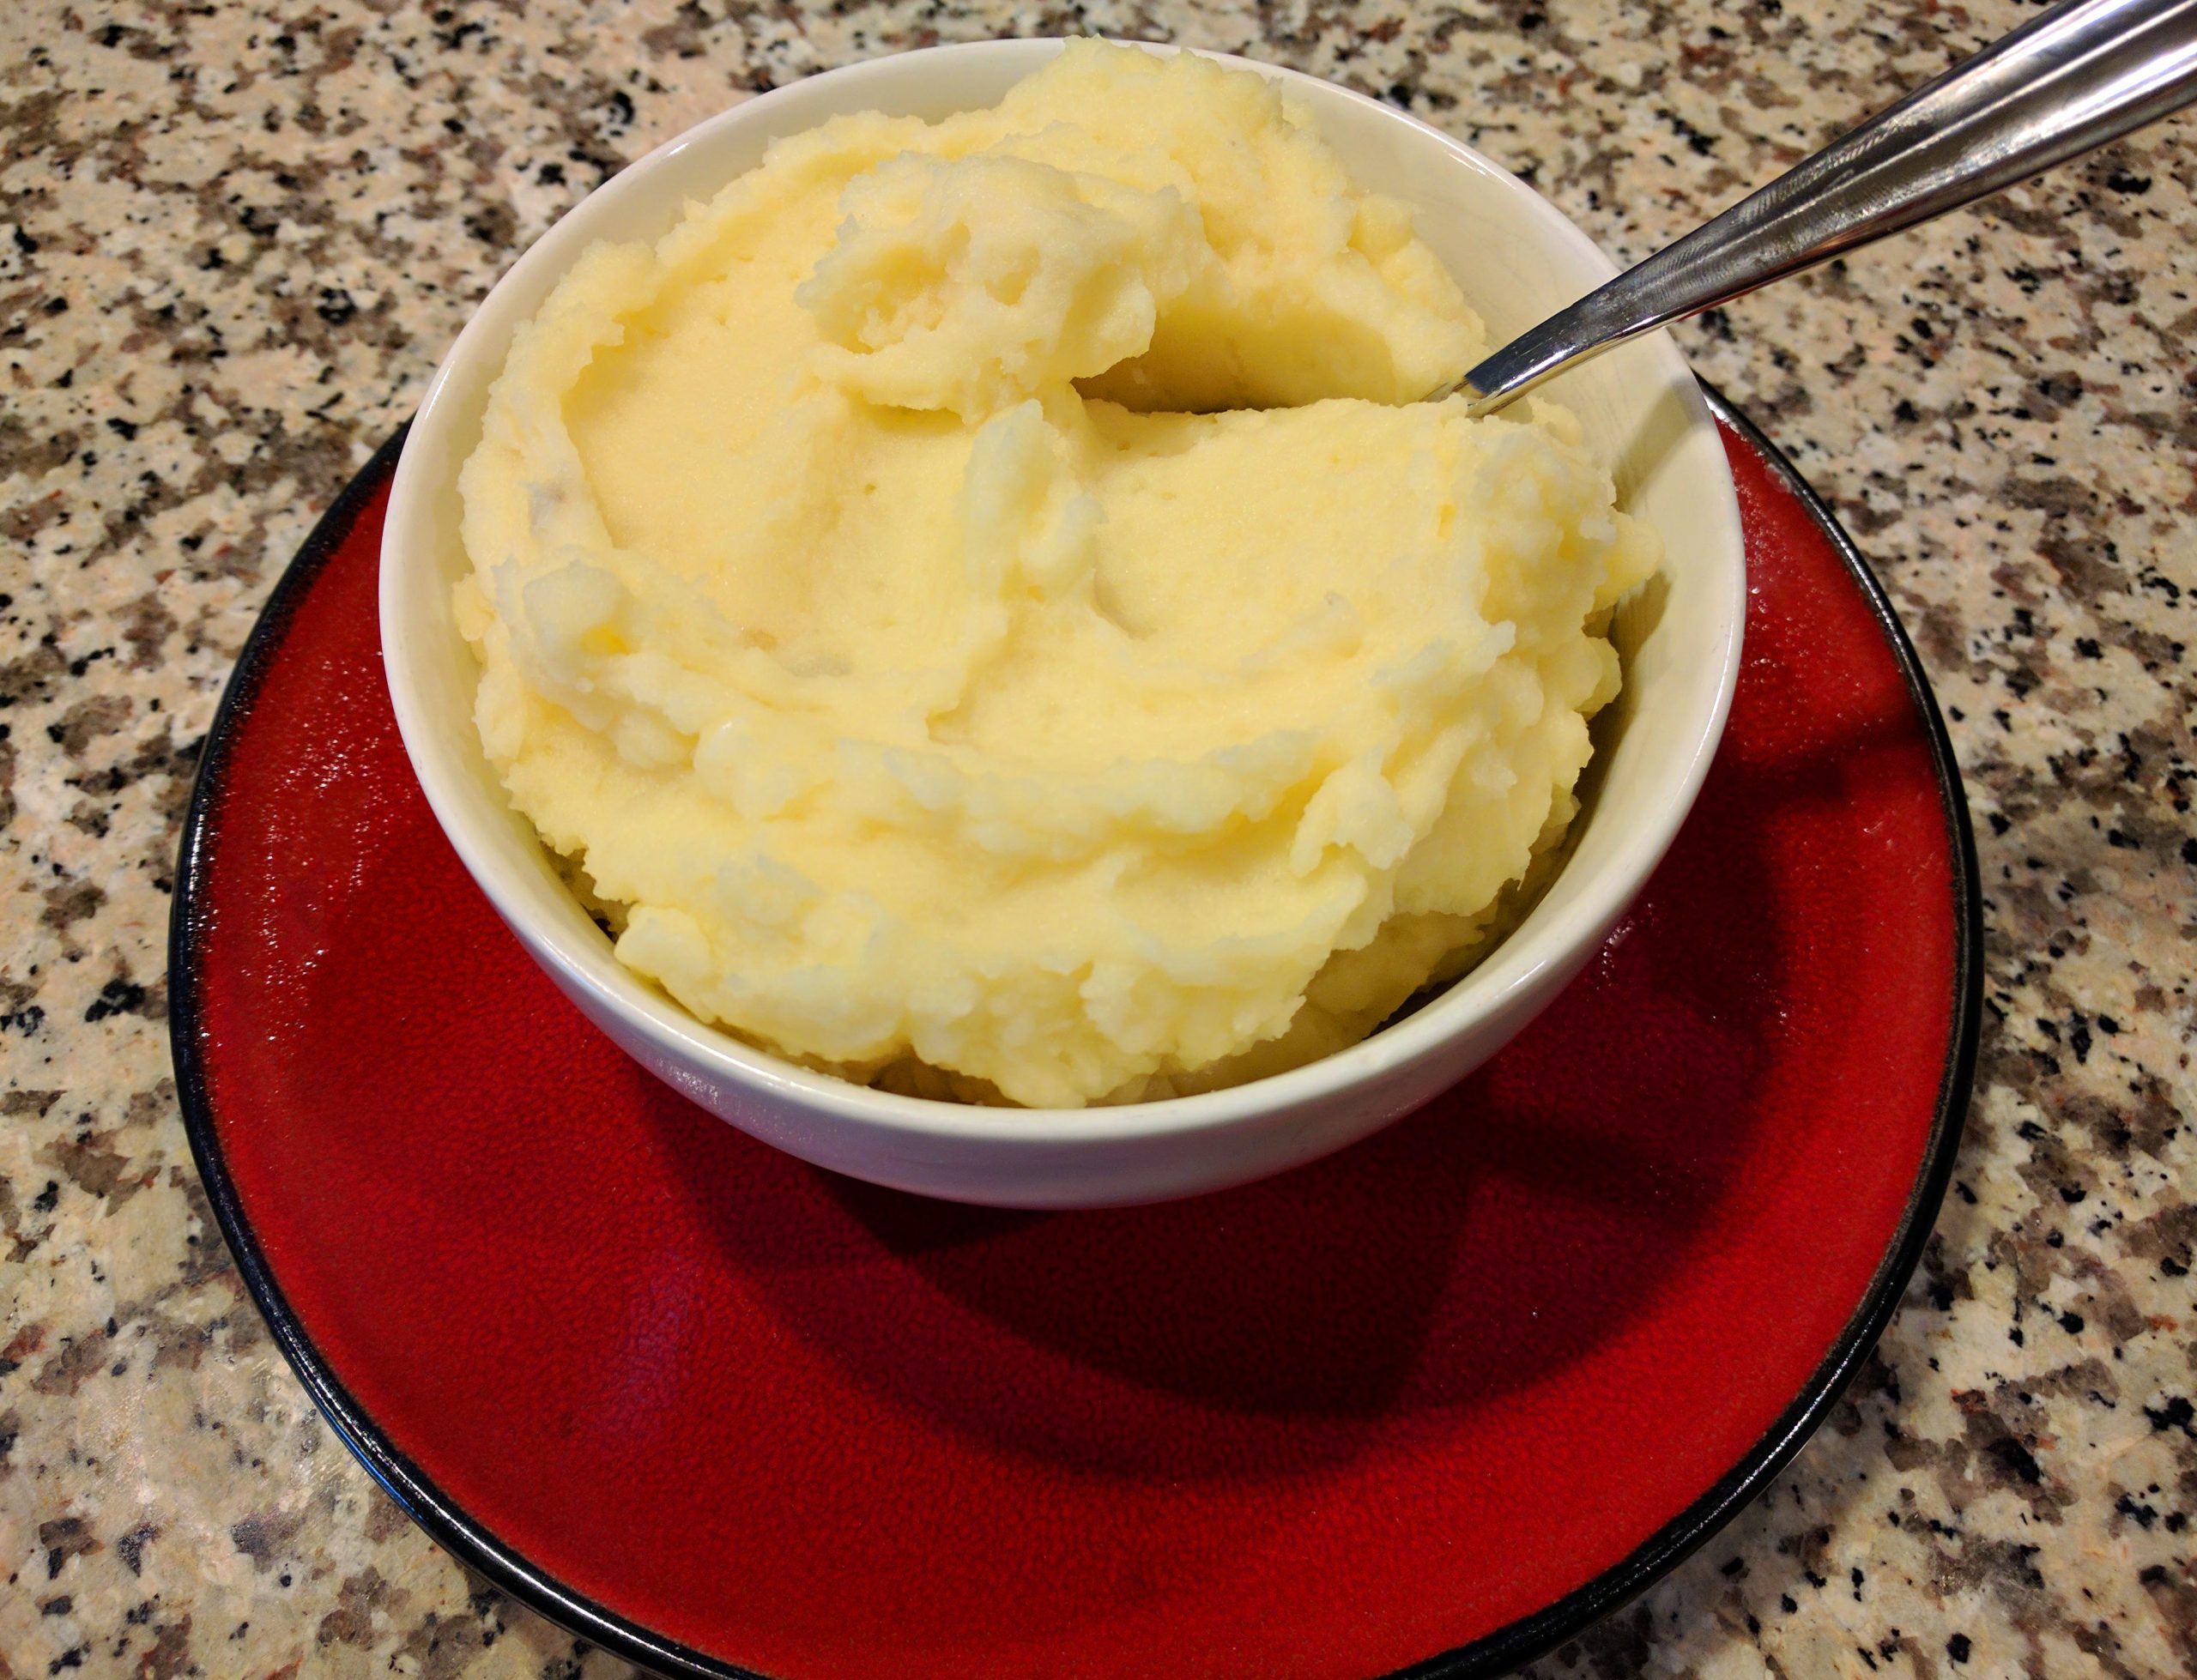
(1431, 1406)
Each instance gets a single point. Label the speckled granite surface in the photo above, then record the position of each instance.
(234, 239)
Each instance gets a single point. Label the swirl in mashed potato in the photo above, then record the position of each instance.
(980, 603)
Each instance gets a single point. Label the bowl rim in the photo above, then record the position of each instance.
(1509, 978)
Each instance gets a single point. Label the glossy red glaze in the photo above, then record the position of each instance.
(1329, 1424)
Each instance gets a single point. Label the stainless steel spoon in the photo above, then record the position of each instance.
(2082, 74)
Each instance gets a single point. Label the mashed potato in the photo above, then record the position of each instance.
(982, 607)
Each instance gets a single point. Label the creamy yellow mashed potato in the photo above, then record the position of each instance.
(980, 603)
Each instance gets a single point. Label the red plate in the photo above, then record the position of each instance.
(1442, 1399)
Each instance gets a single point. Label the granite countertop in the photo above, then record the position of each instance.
(234, 239)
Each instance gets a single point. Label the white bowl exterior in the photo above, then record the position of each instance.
(1516, 258)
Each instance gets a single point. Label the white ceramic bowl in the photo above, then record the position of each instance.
(1517, 259)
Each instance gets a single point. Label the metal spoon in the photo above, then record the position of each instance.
(2082, 74)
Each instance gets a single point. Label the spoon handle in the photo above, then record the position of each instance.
(2082, 74)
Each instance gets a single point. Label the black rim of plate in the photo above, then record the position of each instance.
(1492, 1654)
